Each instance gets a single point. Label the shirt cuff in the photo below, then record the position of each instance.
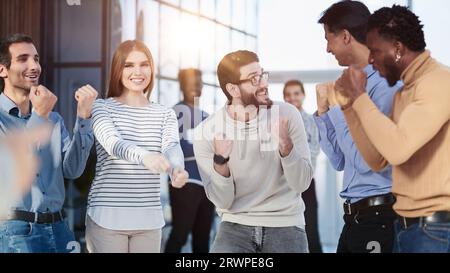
(291, 158)
(84, 126)
(323, 121)
(220, 179)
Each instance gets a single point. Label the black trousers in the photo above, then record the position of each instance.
(311, 219)
(191, 212)
(370, 230)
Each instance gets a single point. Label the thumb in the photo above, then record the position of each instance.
(33, 91)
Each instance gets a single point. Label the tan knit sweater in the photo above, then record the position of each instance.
(415, 140)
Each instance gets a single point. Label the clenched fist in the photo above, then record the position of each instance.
(322, 93)
(179, 178)
(85, 96)
(43, 100)
(351, 85)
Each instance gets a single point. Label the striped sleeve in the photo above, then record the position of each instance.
(170, 141)
(109, 137)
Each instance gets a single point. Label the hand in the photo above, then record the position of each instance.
(280, 130)
(156, 163)
(179, 178)
(332, 100)
(350, 86)
(322, 92)
(43, 100)
(21, 145)
(222, 146)
(85, 96)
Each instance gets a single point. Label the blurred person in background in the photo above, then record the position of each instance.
(18, 164)
(192, 212)
(294, 93)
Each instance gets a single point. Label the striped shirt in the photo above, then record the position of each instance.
(124, 194)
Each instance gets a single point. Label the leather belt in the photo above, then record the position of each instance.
(37, 217)
(353, 208)
(436, 218)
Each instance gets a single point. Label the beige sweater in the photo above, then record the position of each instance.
(263, 189)
(415, 140)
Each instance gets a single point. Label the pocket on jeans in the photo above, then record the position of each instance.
(437, 232)
(19, 228)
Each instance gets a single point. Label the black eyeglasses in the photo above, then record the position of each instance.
(256, 80)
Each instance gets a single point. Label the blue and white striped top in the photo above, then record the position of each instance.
(124, 194)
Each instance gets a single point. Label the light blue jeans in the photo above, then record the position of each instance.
(237, 238)
(23, 237)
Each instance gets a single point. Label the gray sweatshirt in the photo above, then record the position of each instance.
(263, 189)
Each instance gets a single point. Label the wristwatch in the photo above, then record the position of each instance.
(220, 160)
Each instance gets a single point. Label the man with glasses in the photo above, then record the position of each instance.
(254, 161)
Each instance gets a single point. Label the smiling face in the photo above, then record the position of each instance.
(250, 94)
(294, 95)
(136, 74)
(25, 69)
(382, 57)
(336, 46)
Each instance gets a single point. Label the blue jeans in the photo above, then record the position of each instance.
(24, 237)
(422, 238)
(237, 238)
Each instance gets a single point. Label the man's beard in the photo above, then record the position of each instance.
(251, 99)
(392, 72)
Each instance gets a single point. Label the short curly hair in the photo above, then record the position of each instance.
(400, 24)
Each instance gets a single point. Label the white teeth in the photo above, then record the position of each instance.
(137, 80)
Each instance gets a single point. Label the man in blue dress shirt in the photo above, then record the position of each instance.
(37, 222)
(368, 212)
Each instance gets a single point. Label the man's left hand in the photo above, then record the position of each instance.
(85, 96)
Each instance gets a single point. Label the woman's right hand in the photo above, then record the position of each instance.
(156, 163)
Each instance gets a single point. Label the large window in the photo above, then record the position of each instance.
(188, 33)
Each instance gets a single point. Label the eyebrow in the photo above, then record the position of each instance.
(254, 73)
(144, 62)
(26, 55)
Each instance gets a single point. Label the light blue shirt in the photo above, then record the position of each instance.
(313, 136)
(62, 158)
(337, 143)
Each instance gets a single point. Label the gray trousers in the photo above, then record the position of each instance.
(237, 238)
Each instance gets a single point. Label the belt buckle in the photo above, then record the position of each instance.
(347, 208)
